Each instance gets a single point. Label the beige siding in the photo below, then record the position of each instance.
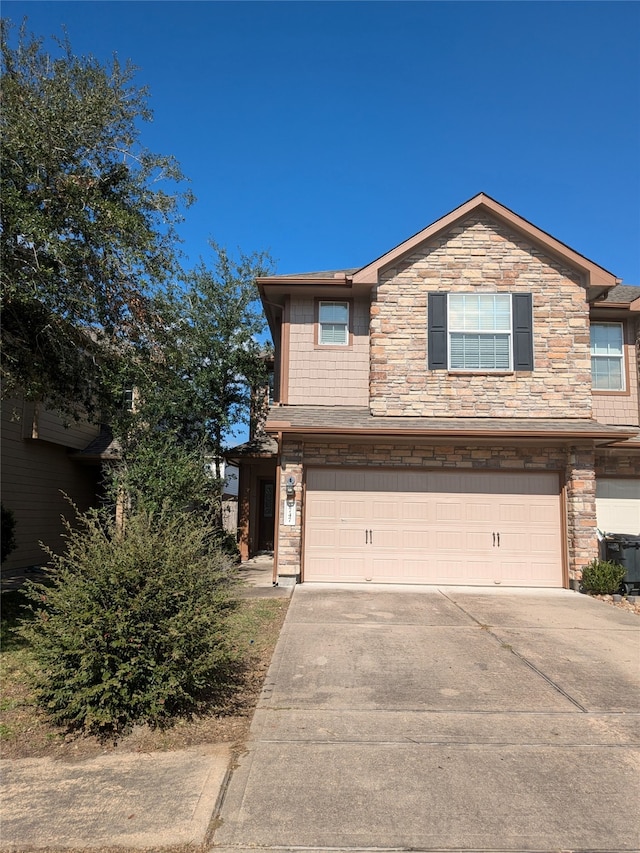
(48, 426)
(323, 376)
(621, 409)
(34, 475)
(480, 255)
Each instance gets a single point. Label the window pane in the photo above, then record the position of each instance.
(606, 339)
(480, 312)
(333, 333)
(606, 373)
(334, 312)
(480, 352)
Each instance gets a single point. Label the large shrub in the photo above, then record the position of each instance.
(133, 624)
(602, 577)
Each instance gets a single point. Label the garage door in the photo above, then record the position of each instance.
(436, 527)
(618, 506)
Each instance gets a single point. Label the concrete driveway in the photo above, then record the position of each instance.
(443, 720)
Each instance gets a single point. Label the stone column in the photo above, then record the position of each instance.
(290, 536)
(581, 510)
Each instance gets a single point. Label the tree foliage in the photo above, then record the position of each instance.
(209, 355)
(87, 224)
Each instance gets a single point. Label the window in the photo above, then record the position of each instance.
(333, 319)
(607, 373)
(480, 331)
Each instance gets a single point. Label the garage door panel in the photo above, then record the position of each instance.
(351, 508)
(475, 511)
(323, 510)
(545, 514)
(385, 509)
(434, 527)
(413, 510)
(449, 510)
(416, 540)
(350, 537)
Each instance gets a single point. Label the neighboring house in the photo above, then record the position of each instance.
(455, 412)
(230, 476)
(43, 459)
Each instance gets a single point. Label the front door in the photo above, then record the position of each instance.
(266, 515)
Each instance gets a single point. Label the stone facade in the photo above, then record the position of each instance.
(480, 253)
(386, 369)
(617, 464)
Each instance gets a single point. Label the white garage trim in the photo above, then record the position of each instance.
(433, 527)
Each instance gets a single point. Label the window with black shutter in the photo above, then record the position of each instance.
(480, 332)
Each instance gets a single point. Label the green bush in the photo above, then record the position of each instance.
(602, 577)
(132, 627)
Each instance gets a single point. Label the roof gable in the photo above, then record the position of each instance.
(594, 277)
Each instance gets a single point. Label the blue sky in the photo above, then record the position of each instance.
(328, 132)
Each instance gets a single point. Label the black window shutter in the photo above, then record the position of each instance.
(522, 331)
(437, 331)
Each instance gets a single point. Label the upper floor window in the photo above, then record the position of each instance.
(333, 321)
(607, 357)
(480, 332)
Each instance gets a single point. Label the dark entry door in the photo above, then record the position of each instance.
(266, 512)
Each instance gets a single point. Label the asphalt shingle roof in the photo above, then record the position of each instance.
(357, 419)
(622, 293)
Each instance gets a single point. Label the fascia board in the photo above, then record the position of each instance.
(492, 434)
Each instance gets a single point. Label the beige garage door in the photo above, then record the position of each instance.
(618, 506)
(438, 527)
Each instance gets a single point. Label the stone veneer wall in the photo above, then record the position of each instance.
(480, 254)
(576, 465)
(610, 464)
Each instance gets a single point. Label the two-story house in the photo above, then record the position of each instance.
(452, 413)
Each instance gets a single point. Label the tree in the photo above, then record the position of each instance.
(87, 230)
(209, 356)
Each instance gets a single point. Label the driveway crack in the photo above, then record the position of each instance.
(487, 629)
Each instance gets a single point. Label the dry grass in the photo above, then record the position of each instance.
(26, 733)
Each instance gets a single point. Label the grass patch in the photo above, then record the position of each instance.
(26, 732)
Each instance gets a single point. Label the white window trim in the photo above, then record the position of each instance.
(344, 343)
(621, 357)
(508, 333)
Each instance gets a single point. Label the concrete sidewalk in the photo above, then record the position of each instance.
(133, 800)
(443, 720)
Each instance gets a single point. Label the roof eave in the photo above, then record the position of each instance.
(493, 434)
(595, 276)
